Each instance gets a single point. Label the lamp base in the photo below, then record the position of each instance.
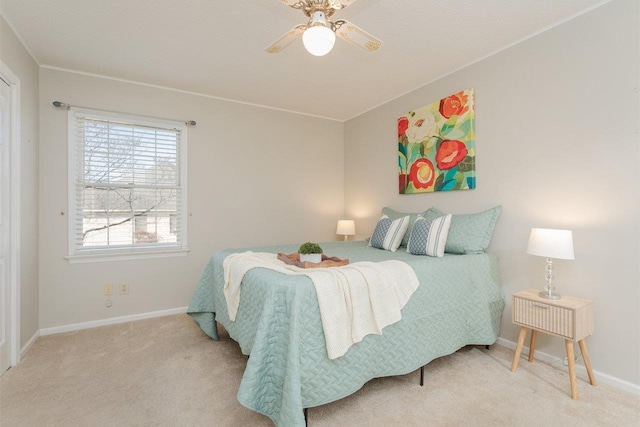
(549, 295)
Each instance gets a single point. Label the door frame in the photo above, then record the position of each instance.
(14, 213)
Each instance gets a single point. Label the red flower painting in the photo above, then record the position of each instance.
(422, 173)
(454, 105)
(450, 154)
(403, 125)
(436, 146)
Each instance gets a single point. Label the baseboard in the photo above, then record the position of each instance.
(28, 345)
(111, 321)
(554, 361)
(557, 362)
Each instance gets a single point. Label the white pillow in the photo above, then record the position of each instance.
(389, 233)
(429, 237)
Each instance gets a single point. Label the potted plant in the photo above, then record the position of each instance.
(311, 252)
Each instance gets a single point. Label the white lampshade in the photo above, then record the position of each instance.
(318, 40)
(346, 227)
(551, 243)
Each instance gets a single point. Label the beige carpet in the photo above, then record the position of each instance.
(166, 372)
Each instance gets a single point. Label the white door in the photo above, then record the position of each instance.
(5, 176)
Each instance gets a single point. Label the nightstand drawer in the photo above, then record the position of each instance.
(568, 317)
(545, 317)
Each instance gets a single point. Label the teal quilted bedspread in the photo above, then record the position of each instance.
(459, 302)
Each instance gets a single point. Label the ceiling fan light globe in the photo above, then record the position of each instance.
(318, 40)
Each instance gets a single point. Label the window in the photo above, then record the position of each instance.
(127, 187)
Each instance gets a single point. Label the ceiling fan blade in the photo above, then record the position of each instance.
(288, 38)
(339, 4)
(356, 36)
(296, 4)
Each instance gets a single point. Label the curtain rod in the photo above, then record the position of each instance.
(65, 106)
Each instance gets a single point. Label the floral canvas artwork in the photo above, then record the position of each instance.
(436, 146)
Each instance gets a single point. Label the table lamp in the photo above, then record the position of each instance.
(550, 244)
(346, 228)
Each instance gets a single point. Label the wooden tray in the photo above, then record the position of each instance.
(294, 259)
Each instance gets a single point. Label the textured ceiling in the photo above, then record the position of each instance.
(216, 47)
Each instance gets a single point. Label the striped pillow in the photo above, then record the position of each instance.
(429, 237)
(389, 233)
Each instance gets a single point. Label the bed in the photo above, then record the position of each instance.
(459, 302)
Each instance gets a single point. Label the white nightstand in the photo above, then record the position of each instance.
(568, 318)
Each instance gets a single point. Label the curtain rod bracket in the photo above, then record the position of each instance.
(61, 105)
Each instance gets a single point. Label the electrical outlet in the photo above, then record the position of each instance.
(107, 303)
(108, 289)
(123, 288)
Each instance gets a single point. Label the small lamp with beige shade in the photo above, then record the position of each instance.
(346, 228)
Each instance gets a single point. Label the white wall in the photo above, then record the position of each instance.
(256, 176)
(18, 59)
(557, 142)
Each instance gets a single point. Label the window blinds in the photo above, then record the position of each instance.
(128, 190)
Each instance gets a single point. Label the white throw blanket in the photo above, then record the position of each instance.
(355, 300)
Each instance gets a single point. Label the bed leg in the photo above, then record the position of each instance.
(487, 346)
(304, 411)
(421, 376)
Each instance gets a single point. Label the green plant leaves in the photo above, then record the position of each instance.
(310, 248)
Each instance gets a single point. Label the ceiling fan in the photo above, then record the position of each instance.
(319, 33)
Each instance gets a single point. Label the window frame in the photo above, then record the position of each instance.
(77, 254)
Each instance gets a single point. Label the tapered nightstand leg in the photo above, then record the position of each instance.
(572, 369)
(532, 344)
(516, 357)
(587, 361)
